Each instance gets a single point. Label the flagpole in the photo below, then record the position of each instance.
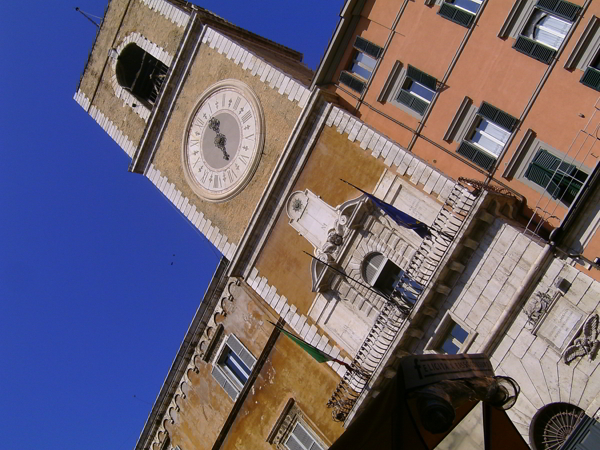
(402, 308)
(396, 219)
(355, 369)
(348, 276)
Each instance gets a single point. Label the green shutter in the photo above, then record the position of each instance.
(456, 15)
(546, 160)
(498, 116)
(560, 179)
(414, 103)
(421, 77)
(591, 78)
(472, 153)
(560, 8)
(534, 49)
(353, 83)
(368, 47)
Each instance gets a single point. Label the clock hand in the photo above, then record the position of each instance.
(220, 138)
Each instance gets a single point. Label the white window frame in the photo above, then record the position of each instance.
(477, 128)
(479, 2)
(442, 334)
(396, 83)
(290, 418)
(529, 154)
(533, 27)
(223, 375)
(314, 445)
(366, 67)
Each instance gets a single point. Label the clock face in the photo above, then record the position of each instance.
(223, 141)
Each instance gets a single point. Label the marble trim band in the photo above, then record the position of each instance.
(197, 219)
(107, 125)
(149, 47)
(275, 78)
(299, 323)
(169, 11)
(404, 163)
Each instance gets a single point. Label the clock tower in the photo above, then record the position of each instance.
(203, 108)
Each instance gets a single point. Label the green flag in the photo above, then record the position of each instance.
(318, 355)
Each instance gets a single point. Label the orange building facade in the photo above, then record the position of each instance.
(471, 53)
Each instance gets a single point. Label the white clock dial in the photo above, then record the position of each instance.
(223, 140)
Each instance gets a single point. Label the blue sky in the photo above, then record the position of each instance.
(92, 311)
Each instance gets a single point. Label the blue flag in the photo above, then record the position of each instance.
(401, 218)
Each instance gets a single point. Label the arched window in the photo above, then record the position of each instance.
(553, 424)
(380, 272)
(140, 73)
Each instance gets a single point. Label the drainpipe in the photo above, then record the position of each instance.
(444, 79)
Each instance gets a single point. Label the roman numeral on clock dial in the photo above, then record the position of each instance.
(247, 116)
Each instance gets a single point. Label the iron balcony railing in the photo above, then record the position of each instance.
(388, 324)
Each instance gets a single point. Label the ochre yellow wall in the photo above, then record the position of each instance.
(96, 83)
(280, 116)
(282, 260)
(288, 373)
(207, 406)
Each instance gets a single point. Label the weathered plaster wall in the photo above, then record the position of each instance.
(121, 20)
(210, 66)
(206, 406)
(288, 373)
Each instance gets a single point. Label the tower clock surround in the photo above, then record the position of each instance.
(223, 140)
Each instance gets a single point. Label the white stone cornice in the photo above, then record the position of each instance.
(190, 212)
(171, 12)
(402, 162)
(107, 125)
(285, 85)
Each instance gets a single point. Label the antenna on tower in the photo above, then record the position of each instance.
(89, 17)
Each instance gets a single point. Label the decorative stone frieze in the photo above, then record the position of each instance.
(210, 334)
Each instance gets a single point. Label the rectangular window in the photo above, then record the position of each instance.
(453, 340)
(416, 90)
(591, 76)
(460, 11)
(362, 65)
(560, 179)
(301, 439)
(490, 133)
(233, 366)
(451, 336)
(546, 29)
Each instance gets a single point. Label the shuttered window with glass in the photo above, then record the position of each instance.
(560, 179)
(233, 366)
(591, 76)
(462, 12)
(301, 439)
(546, 29)
(489, 136)
(418, 89)
(363, 63)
